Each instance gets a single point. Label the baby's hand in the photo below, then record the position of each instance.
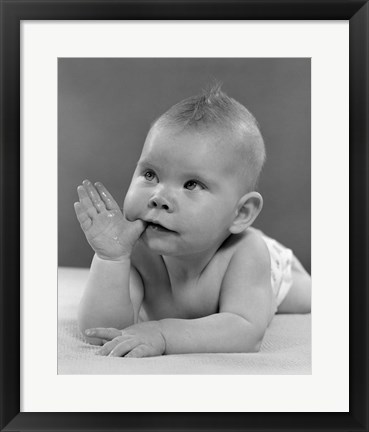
(139, 340)
(109, 233)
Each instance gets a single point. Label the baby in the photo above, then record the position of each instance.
(181, 270)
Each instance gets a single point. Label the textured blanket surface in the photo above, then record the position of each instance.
(286, 348)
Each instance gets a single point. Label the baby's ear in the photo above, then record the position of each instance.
(249, 206)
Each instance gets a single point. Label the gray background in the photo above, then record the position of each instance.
(105, 107)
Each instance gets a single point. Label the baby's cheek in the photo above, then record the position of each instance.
(133, 206)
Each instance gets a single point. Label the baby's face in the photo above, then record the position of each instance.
(187, 184)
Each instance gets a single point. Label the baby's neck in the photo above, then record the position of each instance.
(182, 269)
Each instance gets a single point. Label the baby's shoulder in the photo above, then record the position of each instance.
(247, 252)
(249, 242)
(250, 260)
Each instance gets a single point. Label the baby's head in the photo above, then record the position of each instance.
(196, 175)
(214, 112)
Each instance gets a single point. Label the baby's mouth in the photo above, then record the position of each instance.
(158, 227)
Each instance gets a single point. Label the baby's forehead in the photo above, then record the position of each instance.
(212, 147)
(220, 139)
(216, 142)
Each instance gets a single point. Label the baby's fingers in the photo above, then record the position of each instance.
(139, 351)
(108, 347)
(86, 202)
(109, 201)
(123, 348)
(103, 333)
(82, 216)
(94, 196)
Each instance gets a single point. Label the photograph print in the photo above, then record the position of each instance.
(184, 216)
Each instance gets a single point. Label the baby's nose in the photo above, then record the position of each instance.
(161, 203)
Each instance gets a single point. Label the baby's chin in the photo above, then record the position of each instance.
(173, 247)
(161, 247)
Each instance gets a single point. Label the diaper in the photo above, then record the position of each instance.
(281, 268)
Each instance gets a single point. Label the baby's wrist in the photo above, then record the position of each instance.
(121, 258)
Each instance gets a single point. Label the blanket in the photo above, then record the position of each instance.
(286, 347)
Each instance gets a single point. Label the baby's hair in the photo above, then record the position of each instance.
(214, 108)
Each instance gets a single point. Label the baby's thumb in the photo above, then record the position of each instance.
(139, 225)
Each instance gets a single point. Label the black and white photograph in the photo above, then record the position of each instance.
(184, 216)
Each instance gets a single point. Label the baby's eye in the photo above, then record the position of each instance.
(192, 185)
(149, 175)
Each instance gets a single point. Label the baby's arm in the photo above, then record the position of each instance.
(112, 296)
(112, 282)
(246, 306)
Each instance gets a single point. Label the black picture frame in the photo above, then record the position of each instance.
(12, 13)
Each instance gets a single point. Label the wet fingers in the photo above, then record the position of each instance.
(94, 196)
